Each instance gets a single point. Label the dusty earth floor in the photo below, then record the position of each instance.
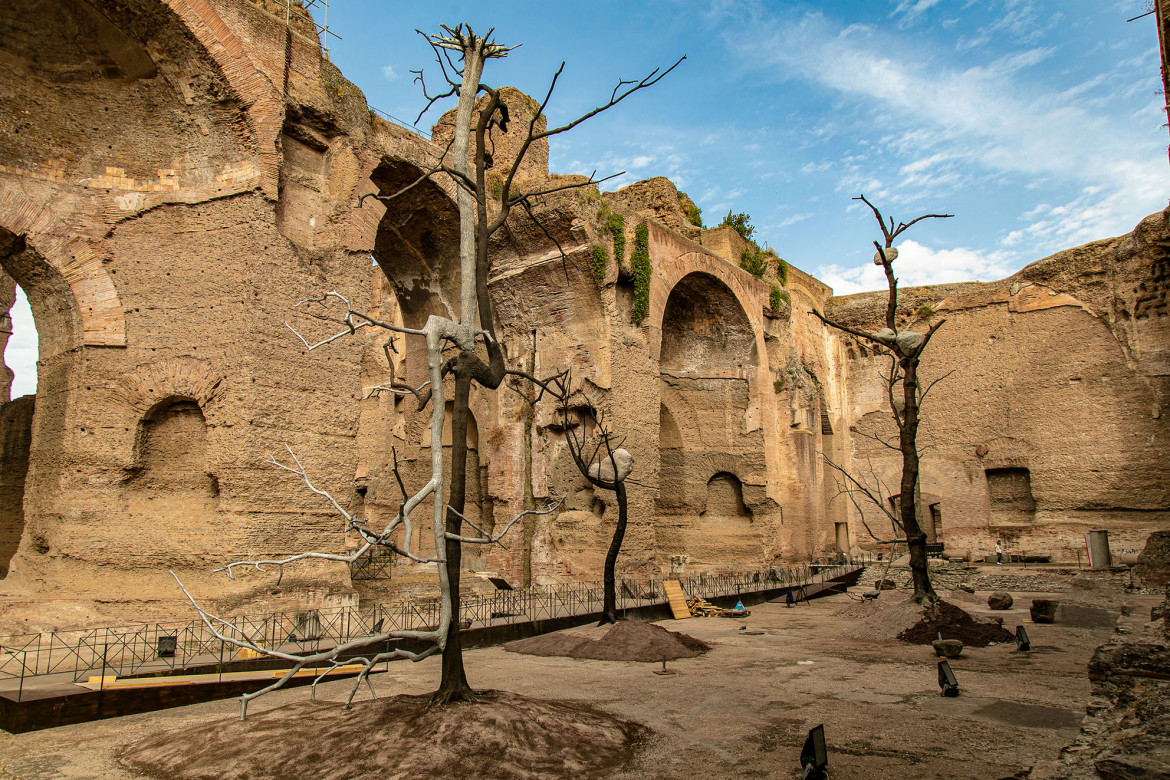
(742, 709)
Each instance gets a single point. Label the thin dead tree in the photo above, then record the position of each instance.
(461, 55)
(905, 348)
(600, 459)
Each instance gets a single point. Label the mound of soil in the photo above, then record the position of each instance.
(502, 735)
(954, 623)
(626, 640)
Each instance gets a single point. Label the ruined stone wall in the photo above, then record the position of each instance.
(1050, 419)
(200, 168)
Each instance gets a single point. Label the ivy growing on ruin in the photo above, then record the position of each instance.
(615, 224)
(776, 297)
(599, 264)
(641, 263)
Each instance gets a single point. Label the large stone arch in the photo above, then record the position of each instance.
(32, 477)
(709, 353)
(748, 292)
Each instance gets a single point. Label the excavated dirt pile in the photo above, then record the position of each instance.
(888, 618)
(502, 735)
(626, 640)
(954, 623)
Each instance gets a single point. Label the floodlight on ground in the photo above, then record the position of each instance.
(947, 680)
(1023, 644)
(814, 756)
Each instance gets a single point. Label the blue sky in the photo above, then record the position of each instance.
(1038, 124)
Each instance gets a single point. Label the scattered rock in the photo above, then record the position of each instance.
(967, 588)
(947, 648)
(1000, 600)
(1153, 565)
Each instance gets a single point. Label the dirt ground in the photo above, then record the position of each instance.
(742, 710)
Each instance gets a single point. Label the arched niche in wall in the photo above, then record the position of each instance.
(417, 243)
(705, 331)
(171, 496)
(33, 429)
(417, 248)
(725, 497)
(708, 353)
(170, 450)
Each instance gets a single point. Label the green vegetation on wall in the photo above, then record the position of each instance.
(641, 263)
(693, 213)
(781, 270)
(776, 297)
(600, 264)
(741, 223)
(614, 224)
(753, 261)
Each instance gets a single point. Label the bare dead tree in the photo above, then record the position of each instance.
(905, 348)
(349, 651)
(598, 456)
(461, 55)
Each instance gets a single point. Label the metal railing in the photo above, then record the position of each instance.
(168, 646)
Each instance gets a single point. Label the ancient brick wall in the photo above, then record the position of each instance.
(1050, 419)
(199, 169)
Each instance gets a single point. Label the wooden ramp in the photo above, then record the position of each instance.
(677, 599)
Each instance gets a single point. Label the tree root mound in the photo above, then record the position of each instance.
(626, 640)
(954, 623)
(502, 735)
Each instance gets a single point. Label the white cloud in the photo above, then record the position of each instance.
(21, 352)
(972, 124)
(912, 8)
(389, 72)
(793, 219)
(917, 265)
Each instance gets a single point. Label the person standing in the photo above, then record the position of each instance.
(999, 552)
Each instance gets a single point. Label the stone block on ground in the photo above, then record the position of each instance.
(1044, 610)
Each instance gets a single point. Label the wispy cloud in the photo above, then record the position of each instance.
(793, 219)
(957, 125)
(389, 73)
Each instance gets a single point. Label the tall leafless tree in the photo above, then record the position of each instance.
(905, 348)
(461, 55)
